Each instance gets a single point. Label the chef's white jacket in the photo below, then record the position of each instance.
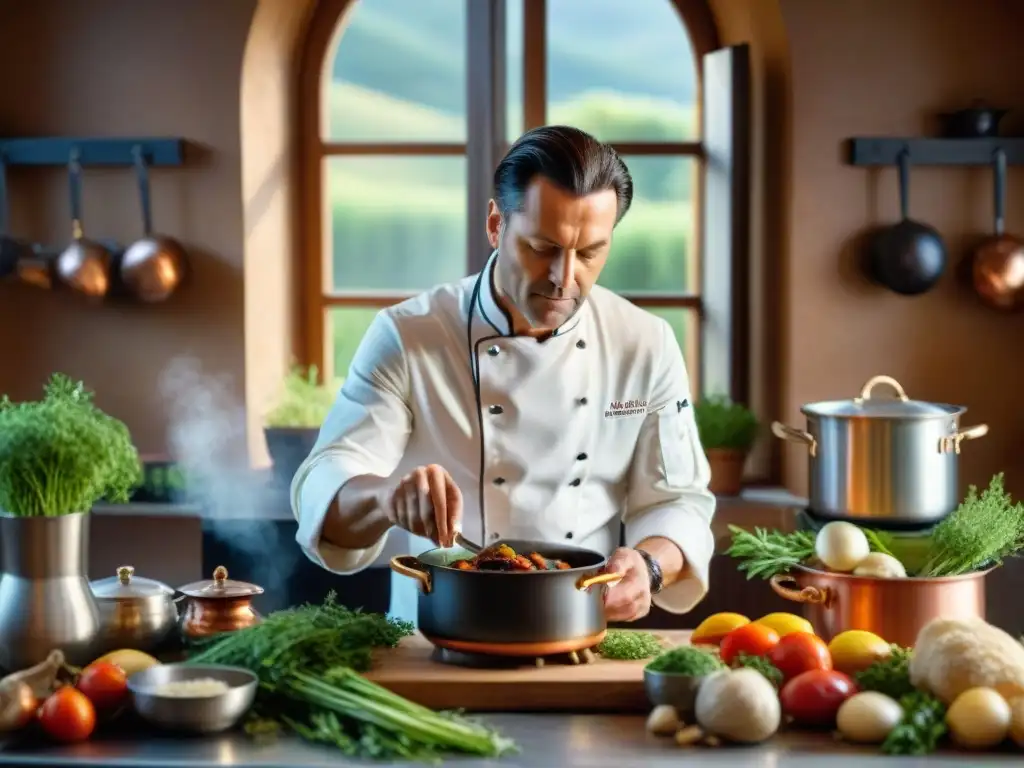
(559, 440)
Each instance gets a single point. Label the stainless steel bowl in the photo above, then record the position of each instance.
(679, 691)
(195, 714)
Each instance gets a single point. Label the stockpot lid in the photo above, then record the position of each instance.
(220, 586)
(125, 585)
(869, 405)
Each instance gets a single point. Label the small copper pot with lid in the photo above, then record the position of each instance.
(218, 605)
(135, 612)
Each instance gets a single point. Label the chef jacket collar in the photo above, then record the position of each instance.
(495, 315)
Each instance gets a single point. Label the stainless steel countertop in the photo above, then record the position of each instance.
(546, 740)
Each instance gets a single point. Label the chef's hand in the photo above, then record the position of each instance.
(426, 502)
(630, 598)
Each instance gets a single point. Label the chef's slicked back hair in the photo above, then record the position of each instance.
(570, 158)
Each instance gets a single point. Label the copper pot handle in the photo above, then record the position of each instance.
(794, 435)
(406, 565)
(874, 381)
(951, 443)
(586, 582)
(807, 595)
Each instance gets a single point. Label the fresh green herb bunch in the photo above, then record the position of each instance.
(982, 531)
(304, 402)
(62, 454)
(627, 645)
(760, 664)
(890, 675)
(687, 660)
(721, 423)
(922, 727)
(308, 660)
(768, 553)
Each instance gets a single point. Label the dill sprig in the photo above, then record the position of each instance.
(983, 530)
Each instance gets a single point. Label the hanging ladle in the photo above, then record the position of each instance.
(84, 265)
(153, 266)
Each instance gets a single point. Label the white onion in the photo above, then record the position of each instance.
(841, 546)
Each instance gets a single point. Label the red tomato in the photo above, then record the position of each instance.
(800, 652)
(751, 639)
(68, 715)
(105, 684)
(814, 697)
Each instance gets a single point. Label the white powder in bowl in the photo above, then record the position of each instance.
(199, 687)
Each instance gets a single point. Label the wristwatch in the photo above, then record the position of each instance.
(654, 569)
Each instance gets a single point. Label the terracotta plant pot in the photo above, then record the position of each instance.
(726, 470)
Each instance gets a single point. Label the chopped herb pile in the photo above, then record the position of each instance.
(687, 660)
(627, 645)
(308, 660)
(922, 727)
(772, 673)
(62, 454)
(890, 675)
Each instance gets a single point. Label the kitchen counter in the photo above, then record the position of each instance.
(547, 741)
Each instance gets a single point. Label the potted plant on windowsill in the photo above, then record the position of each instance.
(727, 431)
(292, 425)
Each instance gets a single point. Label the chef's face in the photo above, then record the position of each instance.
(551, 252)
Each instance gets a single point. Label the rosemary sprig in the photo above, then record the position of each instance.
(767, 553)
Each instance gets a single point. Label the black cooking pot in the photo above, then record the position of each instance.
(510, 613)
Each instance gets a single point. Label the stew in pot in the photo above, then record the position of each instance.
(502, 557)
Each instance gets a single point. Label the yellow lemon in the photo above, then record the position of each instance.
(715, 627)
(785, 623)
(129, 660)
(857, 649)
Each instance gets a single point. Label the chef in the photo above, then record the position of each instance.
(522, 402)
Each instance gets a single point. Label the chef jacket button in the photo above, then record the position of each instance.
(493, 350)
(568, 535)
(496, 410)
(575, 482)
(499, 481)
(581, 457)
(583, 401)
(581, 344)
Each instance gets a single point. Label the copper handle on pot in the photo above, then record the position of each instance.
(809, 595)
(401, 564)
(951, 443)
(794, 435)
(586, 582)
(874, 381)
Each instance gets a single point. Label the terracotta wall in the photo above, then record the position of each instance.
(858, 67)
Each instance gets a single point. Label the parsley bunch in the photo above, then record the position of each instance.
(62, 454)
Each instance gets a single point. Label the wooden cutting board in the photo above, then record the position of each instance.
(601, 686)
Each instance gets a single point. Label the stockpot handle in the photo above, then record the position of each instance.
(951, 443)
(874, 381)
(781, 582)
(586, 582)
(794, 435)
(409, 565)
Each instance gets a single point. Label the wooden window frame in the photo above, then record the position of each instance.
(484, 147)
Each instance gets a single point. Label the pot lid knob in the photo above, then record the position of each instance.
(125, 573)
(865, 393)
(220, 575)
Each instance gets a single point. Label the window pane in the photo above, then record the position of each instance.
(624, 71)
(653, 248)
(686, 324)
(395, 223)
(345, 328)
(513, 69)
(398, 73)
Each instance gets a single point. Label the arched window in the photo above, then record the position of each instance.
(408, 106)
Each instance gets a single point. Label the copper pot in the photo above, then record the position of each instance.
(218, 605)
(894, 609)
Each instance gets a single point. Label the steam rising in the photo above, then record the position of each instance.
(207, 435)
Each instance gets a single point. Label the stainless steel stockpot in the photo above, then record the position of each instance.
(883, 459)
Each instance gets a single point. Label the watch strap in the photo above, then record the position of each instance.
(654, 569)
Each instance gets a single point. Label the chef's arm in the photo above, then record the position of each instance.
(334, 493)
(669, 507)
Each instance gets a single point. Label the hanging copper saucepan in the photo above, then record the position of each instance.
(84, 265)
(152, 267)
(998, 264)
